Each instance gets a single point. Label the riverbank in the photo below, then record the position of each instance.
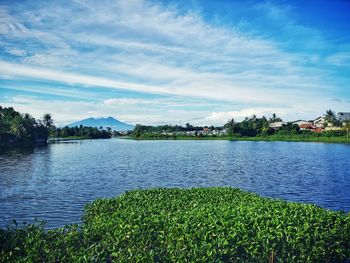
(200, 224)
(68, 138)
(288, 138)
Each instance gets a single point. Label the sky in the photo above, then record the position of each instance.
(172, 62)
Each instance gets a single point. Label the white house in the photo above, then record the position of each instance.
(319, 122)
(303, 122)
(276, 125)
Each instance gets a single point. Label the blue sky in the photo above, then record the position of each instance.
(156, 62)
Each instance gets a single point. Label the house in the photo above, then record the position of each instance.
(302, 122)
(307, 126)
(276, 125)
(319, 122)
(304, 125)
(344, 116)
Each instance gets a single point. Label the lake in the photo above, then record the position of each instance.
(54, 183)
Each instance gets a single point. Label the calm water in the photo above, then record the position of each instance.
(54, 183)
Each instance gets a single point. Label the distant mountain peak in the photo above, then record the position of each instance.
(105, 122)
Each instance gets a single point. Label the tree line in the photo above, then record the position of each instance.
(17, 128)
(249, 127)
(22, 129)
(82, 131)
(254, 126)
(140, 130)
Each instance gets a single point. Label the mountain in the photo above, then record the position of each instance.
(104, 122)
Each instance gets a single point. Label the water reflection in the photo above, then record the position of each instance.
(55, 182)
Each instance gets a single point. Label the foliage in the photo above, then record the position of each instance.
(330, 117)
(289, 129)
(274, 118)
(81, 131)
(250, 127)
(17, 128)
(22, 129)
(166, 130)
(196, 225)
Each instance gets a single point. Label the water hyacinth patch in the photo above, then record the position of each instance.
(181, 225)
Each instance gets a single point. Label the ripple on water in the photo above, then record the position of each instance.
(54, 183)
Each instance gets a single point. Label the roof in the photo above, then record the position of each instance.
(319, 119)
(276, 124)
(306, 126)
(344, 116)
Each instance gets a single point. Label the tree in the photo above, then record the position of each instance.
(17, 128)
(189, 127)
(274, 118)
(231, 126)
(330, 117)
(47, 120)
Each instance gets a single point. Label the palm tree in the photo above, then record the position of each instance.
(231, 125)
(273, 118)
(47, 120)
(17, 128)
(330, 117)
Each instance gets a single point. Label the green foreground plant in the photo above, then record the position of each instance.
(179, 225)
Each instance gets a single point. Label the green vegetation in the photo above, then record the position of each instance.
(81, 132)
(250, 129)
(18, 129)
(196, 225)
(144, 130)
(23, 129)
(286, 138)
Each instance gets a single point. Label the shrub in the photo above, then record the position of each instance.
(197, 225)
(334, 133)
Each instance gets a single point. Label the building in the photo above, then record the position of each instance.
(319, 122)
(302, 122)
(304, 125)
(307, 126)
(344, 116)
(276, 125)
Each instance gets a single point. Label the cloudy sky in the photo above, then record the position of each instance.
(155, 62)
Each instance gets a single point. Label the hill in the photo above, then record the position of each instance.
(114, 124)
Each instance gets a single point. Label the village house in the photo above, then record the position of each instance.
(316, 125)
(276, 125)
(305, 125)
(319, 122)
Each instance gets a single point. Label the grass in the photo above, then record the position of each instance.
(290, 138)
(193, 225)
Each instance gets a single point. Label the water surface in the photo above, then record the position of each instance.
(54, 183)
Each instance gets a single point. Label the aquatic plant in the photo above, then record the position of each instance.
(181, 225)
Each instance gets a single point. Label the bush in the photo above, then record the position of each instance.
(334, 133)
(197, 225)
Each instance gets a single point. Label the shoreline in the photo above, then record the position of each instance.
(340, 139)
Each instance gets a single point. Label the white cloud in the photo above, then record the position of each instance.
(224, 116)
(145, 47)
(165, 111)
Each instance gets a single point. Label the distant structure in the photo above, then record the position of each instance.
(344, 116)
(277, 125)
(304, 125)
(319, 122)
